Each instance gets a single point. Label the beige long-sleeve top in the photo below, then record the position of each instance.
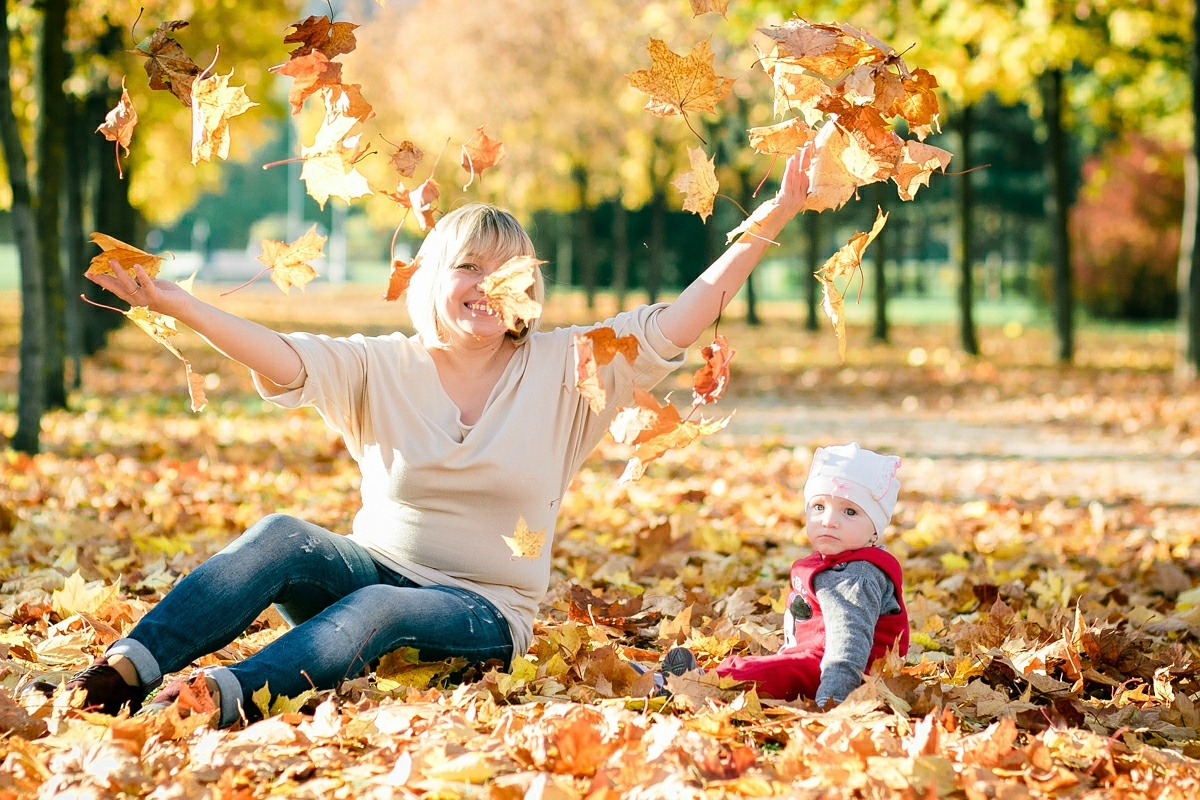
(439, 495)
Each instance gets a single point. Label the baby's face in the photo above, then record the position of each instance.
(836, 524)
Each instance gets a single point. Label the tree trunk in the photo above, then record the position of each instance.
(752, 318)
(880, 331)
(30, 403)
(812, 251)
(966, 234)
(658, 225)
(586, 244)
(1187, 362)
(564, 251)
(111, 214)
(620, 259)
(73, 238)
(51, 158)
(1057, 203)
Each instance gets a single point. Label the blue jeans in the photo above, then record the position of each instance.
(346, 610)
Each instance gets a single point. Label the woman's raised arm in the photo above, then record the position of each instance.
(256, 346)
(699, 305)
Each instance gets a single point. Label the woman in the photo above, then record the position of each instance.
(459, 431)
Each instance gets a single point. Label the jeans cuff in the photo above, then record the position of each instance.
(230, 691)
(149, 675)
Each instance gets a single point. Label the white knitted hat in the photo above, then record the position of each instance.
(863, 477)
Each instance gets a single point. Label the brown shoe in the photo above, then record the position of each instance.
(106, 691)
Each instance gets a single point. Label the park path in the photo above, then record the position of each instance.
(990, 459)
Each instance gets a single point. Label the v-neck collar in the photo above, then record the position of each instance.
(519, 356)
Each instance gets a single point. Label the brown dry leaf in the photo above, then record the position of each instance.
(16, 720)
(643, 421)
(406, 157)
(214, 102)
(289, 262)
(118, 125)
(345, 99)
(828, 50)
(704, 6)
(168, 66)
(710, 381)
(595, 349)
(681, 436)
(700, 185)
(160, 328)
(525, 543)
(919, 106)
(679, 84)
(423, 201)
(507, 292)
(795, 88)
(782, 138)
(400, 277)
(917, 163)
(481, 152)
(126, 255)
(310, 73)
(844, 263)
(331, 39)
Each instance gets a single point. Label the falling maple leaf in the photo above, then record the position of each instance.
(525, 543)
(422, 200)
(679, 84)
(346, 99)
(118, 126)
(481, 152)
(919, 105)
(844, 263)
(644, 420)
(168, 66)
(161, 328)
(289, 262)
(329, 169)
(595, 349)
(680, 436)
(331, 39)
(214, 102)
(795, 88)
(126, 255)
(917, 163)
(828, 50)
(711, 380)
(782, 138)
(704, 6)
(406, 157)
(506, 292)
(700, 185)
(400, 276)
(310, 73)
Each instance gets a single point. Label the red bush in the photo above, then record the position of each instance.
(1125, 230)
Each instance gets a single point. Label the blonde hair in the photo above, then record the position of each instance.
(476, 230)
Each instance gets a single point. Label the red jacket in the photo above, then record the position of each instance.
(808, 635)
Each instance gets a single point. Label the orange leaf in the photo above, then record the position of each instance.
(917, 163)
(289, 262)
(481, 152)
(331, 39)
(828, 50)
(119, 123)
(400, 277)
(507, 292)
(679, 84)
(844, 263)
(919, 105)
(645, 420)
(214, 102)
(782, 138)
(594, 349)
(704, 6)
(700, 185)
(795, 88)
(423, 201)
(681, 436)
(168, 66)
(406, 157)
(709, 382)
(126, 255)
(311, 73)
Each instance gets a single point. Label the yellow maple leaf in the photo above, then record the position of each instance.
(844, 263)
(214, 102)
(704, 6)
(917, 163)
(506, 292)
(782, 138)
(525, 543)
(289, 262)
(329, 169)
(126, 255)
(679, 84)
(118, 126)
(700, 185)
(161, 328)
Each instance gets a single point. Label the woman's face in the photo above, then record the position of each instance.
(461, 310)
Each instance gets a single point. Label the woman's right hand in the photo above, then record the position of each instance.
(139, 289)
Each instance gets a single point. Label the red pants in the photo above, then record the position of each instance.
(783, 676)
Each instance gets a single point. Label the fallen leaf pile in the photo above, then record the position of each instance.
(1055, 620)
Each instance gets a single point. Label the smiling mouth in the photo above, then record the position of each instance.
(481, 308)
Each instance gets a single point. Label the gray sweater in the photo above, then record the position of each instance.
(853, 595)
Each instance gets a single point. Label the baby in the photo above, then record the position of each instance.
(845, 607)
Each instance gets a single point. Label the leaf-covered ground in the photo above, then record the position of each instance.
(1047, 527)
